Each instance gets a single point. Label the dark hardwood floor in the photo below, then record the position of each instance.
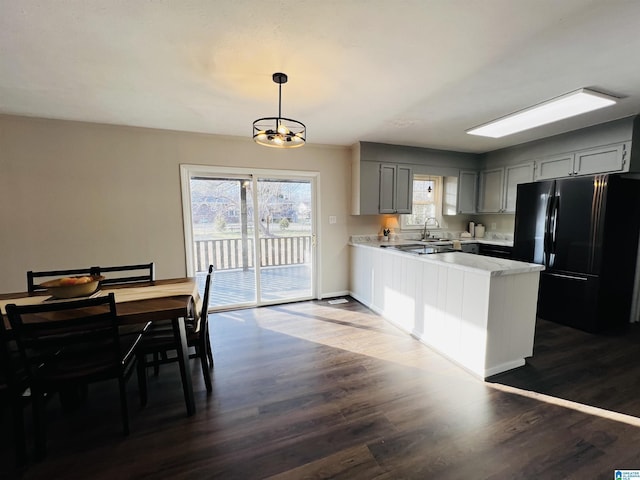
(312, 390)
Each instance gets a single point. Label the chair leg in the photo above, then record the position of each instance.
(39, 427)
(18, 431)
(141, 368)
(206, 373)
(156, 363)
(207, 343)
(124, 410)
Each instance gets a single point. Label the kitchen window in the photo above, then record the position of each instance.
(427, 202)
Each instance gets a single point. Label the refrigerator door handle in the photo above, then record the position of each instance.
(547, 231)
(569, 277)
(554, 223)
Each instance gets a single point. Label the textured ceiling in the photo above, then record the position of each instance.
(404, 72)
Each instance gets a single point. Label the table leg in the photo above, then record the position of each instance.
(180, 335)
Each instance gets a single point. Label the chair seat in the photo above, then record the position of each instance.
(92, 365)
(155, 338)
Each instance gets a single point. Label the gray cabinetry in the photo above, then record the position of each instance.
(396, 189)
(611, 158)
(513, 176)
(491, 191)
(555, 166)
(604, 159)
(384, 188)
(467, 192)
(499, 186)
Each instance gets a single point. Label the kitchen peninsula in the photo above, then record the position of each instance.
(478, 311)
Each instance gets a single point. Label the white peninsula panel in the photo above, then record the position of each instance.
(478, 311)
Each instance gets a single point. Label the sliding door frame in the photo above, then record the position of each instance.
(188, 171)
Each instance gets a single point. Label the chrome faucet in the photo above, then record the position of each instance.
(425, 232)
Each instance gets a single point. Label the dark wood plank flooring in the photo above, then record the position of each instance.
(312, 390)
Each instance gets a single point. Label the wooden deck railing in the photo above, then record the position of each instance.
(226, 254)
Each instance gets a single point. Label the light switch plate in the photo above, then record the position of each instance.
(332, 219)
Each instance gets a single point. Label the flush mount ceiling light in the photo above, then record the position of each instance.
(279, 132)
(564, 106)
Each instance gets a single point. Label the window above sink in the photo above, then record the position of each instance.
(427, 204)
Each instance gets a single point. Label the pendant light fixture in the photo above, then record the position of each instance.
(279, 132)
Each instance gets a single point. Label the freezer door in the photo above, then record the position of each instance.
(578, 214)
(570, 299)
(533, 203)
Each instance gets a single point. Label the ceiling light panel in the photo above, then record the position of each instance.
(559, 108)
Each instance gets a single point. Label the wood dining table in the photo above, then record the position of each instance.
(138, 303)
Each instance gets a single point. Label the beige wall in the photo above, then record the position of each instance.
(78, 194)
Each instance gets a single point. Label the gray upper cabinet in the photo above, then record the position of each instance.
(604, 159)
(387, 191)
(513, 176)
(396, 189)
(491, 191)
(368, 189)
(467, 191)
(555, 166)
(404, 189)
(384, 188)
(611, 158)
(499, 186)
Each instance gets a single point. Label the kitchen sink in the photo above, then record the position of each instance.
(421, 248)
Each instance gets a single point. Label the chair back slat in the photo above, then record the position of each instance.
(139, 273)
(32, 276)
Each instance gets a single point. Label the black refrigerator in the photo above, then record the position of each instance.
(584, 230)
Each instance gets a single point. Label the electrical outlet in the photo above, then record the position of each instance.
(493, 226)
(332, 219)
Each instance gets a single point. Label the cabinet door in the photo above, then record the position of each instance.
(513, 176)
(404, 189)
(369, 188)
(387, 188)
(491, 191)
(557, 166)
(600, 160)
(467, 191)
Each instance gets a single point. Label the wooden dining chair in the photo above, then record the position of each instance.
(70, 344)
(14, 390)
(139, 273)
(159, 342)
(50, 274)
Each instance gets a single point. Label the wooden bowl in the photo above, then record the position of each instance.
(65, 288)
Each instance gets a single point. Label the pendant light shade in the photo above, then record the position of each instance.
(279, 132)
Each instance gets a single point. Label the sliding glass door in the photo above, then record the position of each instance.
(256, 228)
(285, 238)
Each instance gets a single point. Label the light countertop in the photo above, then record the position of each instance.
(459, 260)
